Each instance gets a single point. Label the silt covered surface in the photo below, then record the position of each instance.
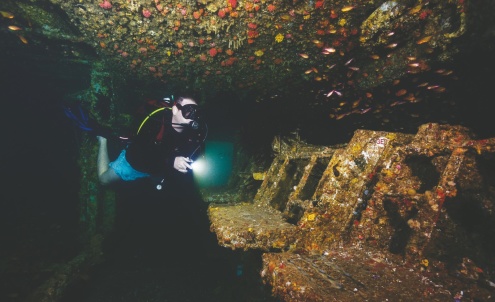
(394, 216)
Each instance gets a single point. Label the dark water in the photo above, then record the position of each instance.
(162, 249)
(38, 202)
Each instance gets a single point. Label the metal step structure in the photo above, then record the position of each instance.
(387, 217)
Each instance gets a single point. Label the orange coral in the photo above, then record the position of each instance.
(213, 52)
(230, 61)
(252, 34)
(320, 32)
(232, 3)
(196, 15)
(249, 6)
(252, 25)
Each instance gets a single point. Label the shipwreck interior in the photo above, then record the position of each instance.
(350, 152)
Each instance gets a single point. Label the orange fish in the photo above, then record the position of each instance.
(356, 103)
(304, 56)
(401, 92)
(7, 15)
(363, 111)
(347, 8)
(423, 40)
(409, 97)
(14, 28)
(318, 44)
(24, 40)
(285, 17)
(415, 9)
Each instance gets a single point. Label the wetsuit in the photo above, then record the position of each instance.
(154, 149)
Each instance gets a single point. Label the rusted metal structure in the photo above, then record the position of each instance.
(392, 216)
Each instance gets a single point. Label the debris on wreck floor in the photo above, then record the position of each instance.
(386, 217)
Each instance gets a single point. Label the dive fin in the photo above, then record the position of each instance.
(80, 118)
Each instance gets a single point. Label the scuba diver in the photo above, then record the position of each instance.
(167, 141)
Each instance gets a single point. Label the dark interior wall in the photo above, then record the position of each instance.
(39, 205)
(39, 150)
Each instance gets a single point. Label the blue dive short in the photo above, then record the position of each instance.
(124, 169)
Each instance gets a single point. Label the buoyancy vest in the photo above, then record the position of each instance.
(157, 143)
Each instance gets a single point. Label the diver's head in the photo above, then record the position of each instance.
(184, 111)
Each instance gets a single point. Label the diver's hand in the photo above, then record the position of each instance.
(181, 164)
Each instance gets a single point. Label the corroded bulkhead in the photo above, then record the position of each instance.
(390, 216)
